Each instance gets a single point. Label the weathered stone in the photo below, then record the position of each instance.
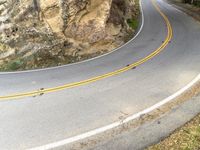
(58, 28)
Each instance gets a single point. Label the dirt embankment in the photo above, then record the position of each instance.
(44, 33)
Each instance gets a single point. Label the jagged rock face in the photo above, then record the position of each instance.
(89, 25)
(85, 20)
(57, 29)
(51, 13)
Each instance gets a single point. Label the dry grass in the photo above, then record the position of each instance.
(184, 138)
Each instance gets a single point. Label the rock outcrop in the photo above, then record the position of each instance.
(41, 33)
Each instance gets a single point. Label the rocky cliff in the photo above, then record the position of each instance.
(42, 33)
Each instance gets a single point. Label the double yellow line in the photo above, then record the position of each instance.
(100, 77)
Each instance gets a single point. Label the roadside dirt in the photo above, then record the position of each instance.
(186, 137)
(127, 127)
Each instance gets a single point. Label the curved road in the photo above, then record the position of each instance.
(34, 117)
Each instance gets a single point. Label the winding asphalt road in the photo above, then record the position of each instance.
(88, 95)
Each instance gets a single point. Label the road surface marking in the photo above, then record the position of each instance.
(97, 78)
(118, 123)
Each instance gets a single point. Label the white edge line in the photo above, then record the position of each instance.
(118, 123)
(121, 122)
(56, 67)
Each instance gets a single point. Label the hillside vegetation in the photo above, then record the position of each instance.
(193, 2)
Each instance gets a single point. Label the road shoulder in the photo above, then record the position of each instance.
(154, 131)
(149, 129)
(192, 11)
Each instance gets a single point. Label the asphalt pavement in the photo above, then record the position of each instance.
(32, 121)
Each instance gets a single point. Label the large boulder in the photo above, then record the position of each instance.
(42, 30)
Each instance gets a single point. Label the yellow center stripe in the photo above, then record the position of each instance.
(100, 77)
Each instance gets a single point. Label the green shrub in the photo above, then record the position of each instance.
(14, 65)
(194, 2)
(133, 23)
